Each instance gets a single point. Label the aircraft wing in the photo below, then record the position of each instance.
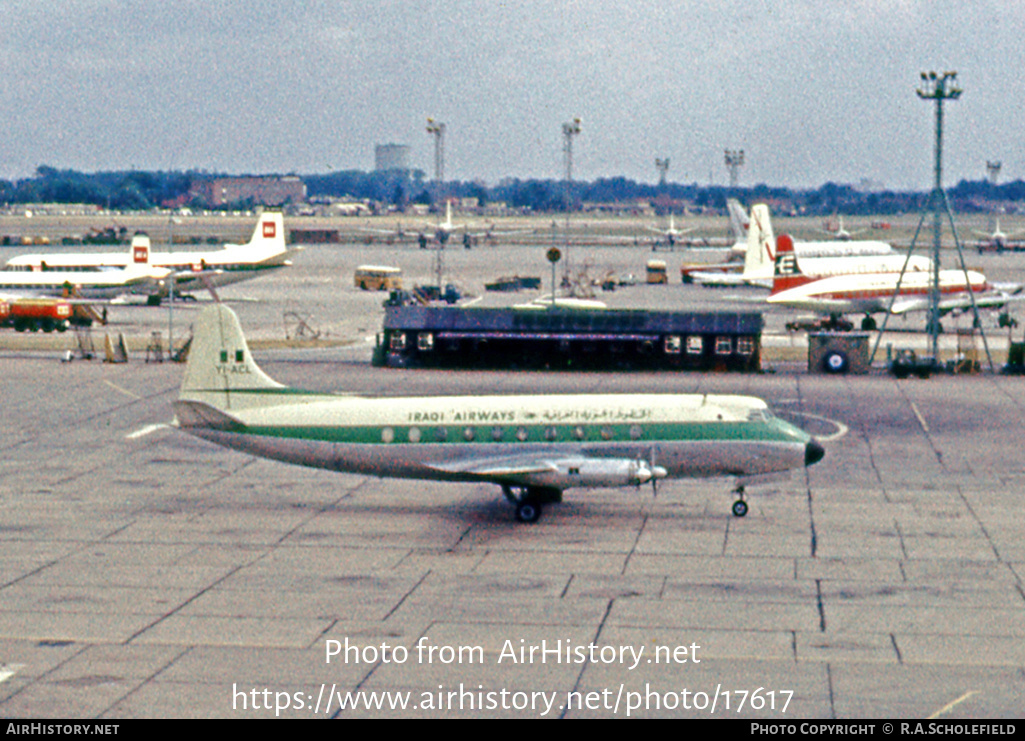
(913, 303)
(987, 301)
(502, 467)
(557, 469)
(958, 303)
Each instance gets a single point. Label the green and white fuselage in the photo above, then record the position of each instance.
(536, 442)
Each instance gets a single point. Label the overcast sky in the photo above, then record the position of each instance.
(812, 91)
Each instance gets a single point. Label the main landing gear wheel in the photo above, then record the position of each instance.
(528, 511)
(739, 506)
(530, 500)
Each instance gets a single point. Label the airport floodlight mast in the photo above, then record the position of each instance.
(662, 165)
(437, 130)
(734, 160)
(993, 170)
(569, 130)
(938, 88)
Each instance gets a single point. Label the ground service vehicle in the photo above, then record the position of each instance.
(35, 314)
(378, 278)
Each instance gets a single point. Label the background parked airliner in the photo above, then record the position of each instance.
(818, 259)
(871, 293)
(210, 269)
(134, 273)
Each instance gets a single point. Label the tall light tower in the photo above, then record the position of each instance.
(569, 130)
(993, 170)
(937, 88)
(662, 165)
(734, 159)
(437, 130)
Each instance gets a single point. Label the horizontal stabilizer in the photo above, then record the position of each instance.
(198, 414)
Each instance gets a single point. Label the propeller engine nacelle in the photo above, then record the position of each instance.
(597, 472)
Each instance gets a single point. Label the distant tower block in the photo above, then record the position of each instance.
(662, 165)
(993, 168)
(734, 161)
(391, 157)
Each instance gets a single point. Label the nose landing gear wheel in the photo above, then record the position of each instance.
(739, 506)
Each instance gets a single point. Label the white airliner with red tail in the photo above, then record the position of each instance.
(872, 292)
(266, 251)
(133, 273)
(818, 259)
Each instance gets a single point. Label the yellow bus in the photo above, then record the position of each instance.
(378, 278)
(657, 272)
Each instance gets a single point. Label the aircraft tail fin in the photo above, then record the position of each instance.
(787, 273)
(739, 220)
(139, 267)
(268, 235)
(140, 250)
(761, 245)
(221, 371)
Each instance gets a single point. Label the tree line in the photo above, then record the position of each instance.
(144, 190)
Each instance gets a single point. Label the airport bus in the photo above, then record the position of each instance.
(378, 278)
(657, 271)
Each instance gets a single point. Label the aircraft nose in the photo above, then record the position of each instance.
(813, 452)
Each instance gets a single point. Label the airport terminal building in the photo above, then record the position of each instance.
(567, 339)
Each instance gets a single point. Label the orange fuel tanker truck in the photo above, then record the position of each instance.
(35, 314)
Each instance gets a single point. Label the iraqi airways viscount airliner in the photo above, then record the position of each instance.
(534, 447)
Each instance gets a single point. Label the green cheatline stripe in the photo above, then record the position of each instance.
(263, 392)
(455, 434)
